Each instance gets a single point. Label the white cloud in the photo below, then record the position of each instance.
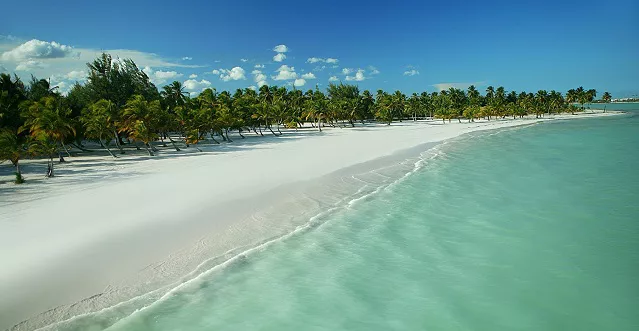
(309, 75)
(38, 49)
(347, 71)
(279, 57)
(372, 70)
(411, 72)
(280, 49)
(259, 66)
(318, 68)
(215, 71)
(29, 65)
(76, 59)
(160, 77)
(77, 75)
(333, 79)
(253, 87)
(463, 86)
(236, 73)
(359, 76)
(192, 76)
(259, 77)
(244, 60)
(299, 82)
(285, 72)
(193, 85)
(319, 59)
(187, 58)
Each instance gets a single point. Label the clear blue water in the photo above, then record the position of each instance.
(534, 228)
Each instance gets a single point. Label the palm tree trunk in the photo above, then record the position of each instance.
(117, 142)
(215, 141)
(240, 132)
(259, 126)
(65, 148)
(227, 135)
(162, 137)
(107, 148)
(271, 129)
(50, 167)
(173, 143)
(146, 145)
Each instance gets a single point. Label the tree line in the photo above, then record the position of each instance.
(119, 106)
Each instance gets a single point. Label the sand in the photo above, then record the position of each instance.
(110, 230)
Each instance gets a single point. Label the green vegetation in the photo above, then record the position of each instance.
(118, 105)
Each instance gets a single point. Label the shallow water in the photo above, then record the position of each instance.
(532, 228)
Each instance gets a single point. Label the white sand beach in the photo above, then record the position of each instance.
(107, 230)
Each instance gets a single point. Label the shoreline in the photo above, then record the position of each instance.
(150, 214)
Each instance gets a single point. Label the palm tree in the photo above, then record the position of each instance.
(174, 94)
(98, 123)
(48, 118)
(606, 97)
(138, 119)
(414, 105)
(13, 148)
(541, 100)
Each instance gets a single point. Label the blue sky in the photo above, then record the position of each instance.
(413, 46)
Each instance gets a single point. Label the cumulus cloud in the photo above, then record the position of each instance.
(372, 70)
(309, 75)
(193, 85)
(299, 82)
(259, 78)
(259, 66)
(215, 72)
(319, 68)
(187, 58)
(280, 49)
(59, 60)
(253, 87)
(359, 76)
(333, 79)
(38, 49)
(347, 71)
(236, 73)
(411, 72)
(279, 57)
(77, 75)
(29, 65)
(192, 76)
(285, 72)
(318, 59)
(244, 60)
(160, 77)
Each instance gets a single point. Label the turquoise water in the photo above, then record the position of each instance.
(534, 228)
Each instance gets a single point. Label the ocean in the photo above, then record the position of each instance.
(527, 228)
